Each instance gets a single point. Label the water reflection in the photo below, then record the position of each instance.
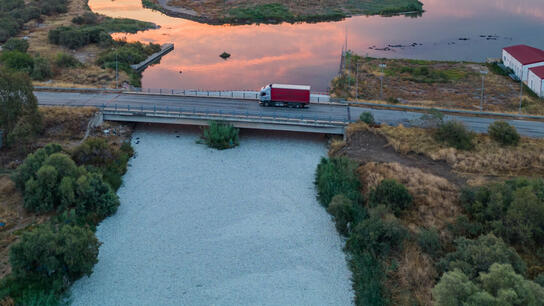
(309, 53)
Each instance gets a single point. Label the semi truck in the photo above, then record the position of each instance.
(285, 95)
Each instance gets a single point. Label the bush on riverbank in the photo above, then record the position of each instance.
(337, 176)
(220, 136)
(51, 256)
(455, 134)
(46, 260)
(373, 237)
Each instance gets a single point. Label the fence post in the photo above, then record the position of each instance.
(232, 94)
(172, 92)
(244, 95)
(160, 91)
(148, 90)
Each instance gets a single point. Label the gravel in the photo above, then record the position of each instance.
(198, 226)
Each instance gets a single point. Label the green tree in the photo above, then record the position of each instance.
(453, 289)
(392, 194)
(95, 198)
(18, 106)
(32, 164)
(54, 252)
(477, 255)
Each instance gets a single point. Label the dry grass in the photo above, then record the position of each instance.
(487, 158)
(414, 278)
(67, 123)
(88, 76)
(461, 91)
(435, 199)
(335, 145)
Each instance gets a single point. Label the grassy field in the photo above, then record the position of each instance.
(434, 84)
(267, 11)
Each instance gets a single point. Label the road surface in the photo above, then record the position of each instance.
(226, 105)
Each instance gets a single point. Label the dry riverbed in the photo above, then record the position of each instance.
(198, 226)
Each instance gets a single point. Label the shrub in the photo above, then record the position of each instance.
(367, 118)
(42, 69)
(86, 18)
(14, 44)
(95, 199)
(376, 236)
(94, 151)
(65, 60)
(220, 136)
(429, 241)
(475, 256)
(501, 286)
(50, 253)
(18, 61)
(455, 134)
(393, 194)
(344, 213)
(514, 209)
(368, 277)
(336, 175)
(503, 133)
(18, 106)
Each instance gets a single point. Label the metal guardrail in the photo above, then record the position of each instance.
(446, 110)
(315, 98)
(173, 112)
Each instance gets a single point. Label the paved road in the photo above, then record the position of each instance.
(476, 124)
(315, 111)
(204, 104)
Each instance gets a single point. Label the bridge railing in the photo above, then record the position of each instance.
(214, 114)
(233, 94)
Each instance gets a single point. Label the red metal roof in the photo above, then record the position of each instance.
(526, 55)
(539, 71)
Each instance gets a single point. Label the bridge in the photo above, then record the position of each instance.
(325, 117)
(241, 109)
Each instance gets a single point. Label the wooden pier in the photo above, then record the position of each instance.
(166, 48)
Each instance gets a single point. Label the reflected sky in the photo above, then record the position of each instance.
(310, 53)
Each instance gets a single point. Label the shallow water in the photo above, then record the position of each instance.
(198, 226)
(310, 53)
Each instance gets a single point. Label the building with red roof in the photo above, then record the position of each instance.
(535, 80)
(521, 58)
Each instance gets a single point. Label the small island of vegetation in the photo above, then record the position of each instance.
(277, 11)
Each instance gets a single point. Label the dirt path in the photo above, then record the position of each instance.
(365, 146)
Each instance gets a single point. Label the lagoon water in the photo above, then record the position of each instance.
(198, 226)
(310, 53)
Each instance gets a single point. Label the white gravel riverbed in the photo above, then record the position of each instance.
(198, 226)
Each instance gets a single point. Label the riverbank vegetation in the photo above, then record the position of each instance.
(52, 200)
(265, 11)
(220, 136)
(427, 223)
(68, 27)
(456, 85)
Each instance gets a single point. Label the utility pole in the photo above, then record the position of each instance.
(382, 66)
(116, 70)
(483, 72)
(520, 95)
(357, 82)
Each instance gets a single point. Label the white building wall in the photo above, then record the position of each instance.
(512, 63)
(535, 83)
(526, 69)
(520, 71)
